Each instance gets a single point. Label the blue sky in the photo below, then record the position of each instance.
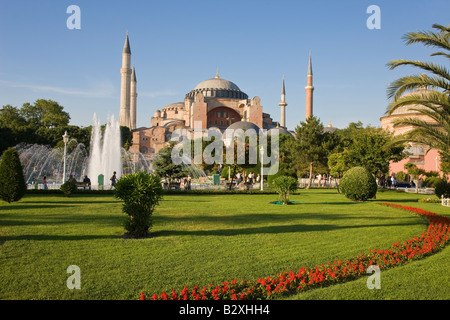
(177, 44)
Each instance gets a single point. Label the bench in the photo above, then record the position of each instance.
(83, 185)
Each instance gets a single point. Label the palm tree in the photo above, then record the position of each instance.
(427, 93)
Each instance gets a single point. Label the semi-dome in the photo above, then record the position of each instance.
(244, 125)
(218, 88)
(280, 130)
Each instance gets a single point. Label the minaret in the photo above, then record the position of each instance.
(133, 99)
(283, 104)
(309, 91)
(124, 116)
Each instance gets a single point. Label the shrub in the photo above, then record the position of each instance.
(68, 188)
(284, 185)
(358, 184)
(431, 182)
(400, 176)
(442, 188)
(12, 182)
(140, 192)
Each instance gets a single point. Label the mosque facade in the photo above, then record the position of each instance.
(213, 103)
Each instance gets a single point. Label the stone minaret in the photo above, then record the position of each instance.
(133, 99)
(283, 104)
(309, 91)
(124, 116)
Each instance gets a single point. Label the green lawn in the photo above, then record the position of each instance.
(203, 239)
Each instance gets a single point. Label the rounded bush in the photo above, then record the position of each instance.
(358, 184)
(68, 188)
(442, 188)
(431, 182)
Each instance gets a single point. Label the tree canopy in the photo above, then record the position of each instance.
(427, 93)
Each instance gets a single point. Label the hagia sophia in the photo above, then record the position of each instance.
(215, 103)
(221, 104)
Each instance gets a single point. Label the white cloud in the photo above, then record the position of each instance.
(97, 90)
(156, 94)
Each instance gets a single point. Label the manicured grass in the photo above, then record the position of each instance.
(203, 239)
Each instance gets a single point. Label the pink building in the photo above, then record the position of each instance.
(420, 155)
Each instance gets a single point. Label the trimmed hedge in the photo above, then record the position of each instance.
(442, 188)
(358, 184)
(12, 182)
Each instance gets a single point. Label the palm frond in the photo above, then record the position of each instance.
(440, 54)
(425, 132)
(429, 38)
(428, 66)
(433, 100)
(442, 28)
(413, 82)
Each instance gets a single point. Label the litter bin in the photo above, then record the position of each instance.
(216, 179)
(100, 182)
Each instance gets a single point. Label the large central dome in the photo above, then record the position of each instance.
(218, 88)
(217, 83)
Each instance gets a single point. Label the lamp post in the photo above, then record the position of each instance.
(261, 150)
(65, 139)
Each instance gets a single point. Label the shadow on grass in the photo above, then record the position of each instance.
(31, 207)
(62, 201)
(59, 219)
(249, 218)
(39, 237)
(269, 230)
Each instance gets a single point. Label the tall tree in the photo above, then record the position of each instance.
(164, 166)
(45, 113)
(369, 147)
(434, 102)
(310, 146)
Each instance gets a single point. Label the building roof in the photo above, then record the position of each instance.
(310, 65)
(281, 130)
(126, 46)
(244, 125)
(217, 83)
(218, 88)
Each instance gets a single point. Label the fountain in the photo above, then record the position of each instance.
(106, 156)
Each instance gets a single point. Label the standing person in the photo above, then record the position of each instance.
(113, 180)
(338, 180)
(258, 178)
(189, 182)
(87, 181)
(44, 181)
(324, 179)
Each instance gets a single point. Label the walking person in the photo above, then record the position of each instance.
(44, 181)
(113, 180)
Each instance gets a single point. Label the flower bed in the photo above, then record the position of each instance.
(288, 282)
